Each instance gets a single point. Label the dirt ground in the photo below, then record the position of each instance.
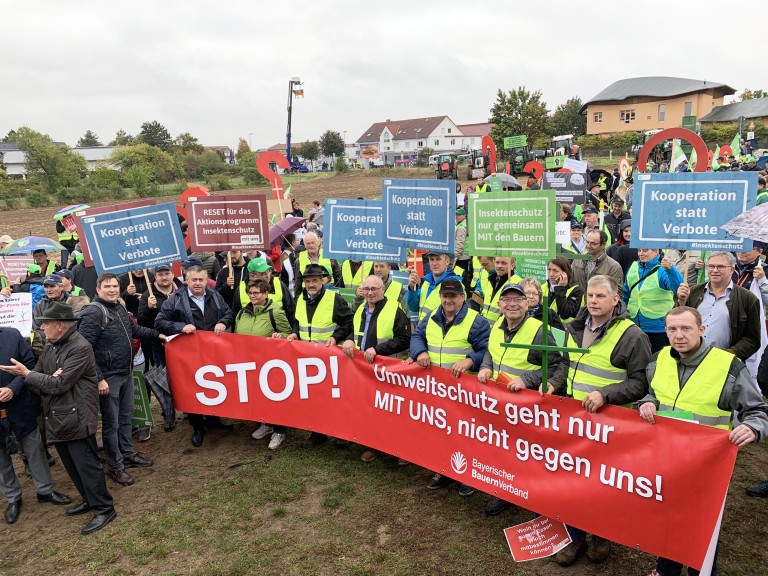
(180, 469)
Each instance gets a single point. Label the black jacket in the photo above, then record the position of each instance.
(22, 408)
(113, 343)
(71, 399)
(176, 311)
(401, 331)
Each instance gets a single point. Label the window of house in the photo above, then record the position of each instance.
(688, 109)
(662, 112)
(597, 117)
(449, 130)
(420, 144)
(453, 141)
(627, 115)
(418, 130)
(437, 142)
(407, 145)
(397, 145)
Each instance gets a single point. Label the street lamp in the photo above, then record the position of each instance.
(299, 93)
(250, 144)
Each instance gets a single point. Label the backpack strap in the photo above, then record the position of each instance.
(105, 318)
(272, 320)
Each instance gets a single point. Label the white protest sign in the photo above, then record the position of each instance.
(16, 312)
(562, 232)
(578, 166)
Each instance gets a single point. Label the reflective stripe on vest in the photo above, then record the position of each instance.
(51, 268)
(322, 327)
(428, 304)
(353, 281)
(446, 350)
(702, 390)
(553, 301)
(76, 290)
(304, 261)
(512, 361)
(590, 372)
(277, 297)
(477, 270)
(385, 322)
(648, 296)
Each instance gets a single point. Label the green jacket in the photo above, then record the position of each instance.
(262, 320)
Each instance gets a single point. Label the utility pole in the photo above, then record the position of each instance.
(299, 92)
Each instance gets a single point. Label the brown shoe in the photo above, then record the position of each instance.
(571, 553)
(369, 456)
(598, 549)
(121, 477)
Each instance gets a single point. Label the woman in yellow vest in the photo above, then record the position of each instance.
(649, 290)
(564, 296)
(706, 384)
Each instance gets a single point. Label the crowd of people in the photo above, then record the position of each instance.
(666, 330)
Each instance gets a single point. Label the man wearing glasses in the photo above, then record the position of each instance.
(730, 313)
(599, 265)
(520, 366)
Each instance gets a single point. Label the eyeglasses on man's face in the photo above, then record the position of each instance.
(369, 289)
(517, 299)
(254, 293)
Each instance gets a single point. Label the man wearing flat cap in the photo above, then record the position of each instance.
(65, 378)
(452, 337)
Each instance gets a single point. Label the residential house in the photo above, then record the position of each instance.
(15, 161)
(753, 111)
(649, 103)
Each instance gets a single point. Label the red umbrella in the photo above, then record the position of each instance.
(283, 227)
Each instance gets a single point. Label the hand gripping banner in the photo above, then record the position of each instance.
(657, 488)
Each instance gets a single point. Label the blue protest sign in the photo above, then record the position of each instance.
(686, 210)
(135, 238)
(420, 213)
(354, 230)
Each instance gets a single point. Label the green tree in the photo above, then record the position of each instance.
(518, 113)
(158, 164)
(310, 150)
(331, 143)
(212, 162)
(753, 94)
(89, 139)
(10, 137)
(155, 134)
(423, 159)
(55, 167)
(122, 138)
(188, 143)
(566, 118)
(242, 148)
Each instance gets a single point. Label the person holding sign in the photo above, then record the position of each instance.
(730, 313)
(422, 295)
(451, 337)
(520, 367)
(613, 372)
(649, 292)
(322, 316)
(705, 384)
(191, 308)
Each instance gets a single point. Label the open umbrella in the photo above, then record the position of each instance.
(507, 180)
(29, 244)
(67, 210)
(285, 226)
(752, 224)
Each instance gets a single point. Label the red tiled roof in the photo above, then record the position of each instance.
(478, 129)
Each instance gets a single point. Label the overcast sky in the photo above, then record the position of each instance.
(220, 70)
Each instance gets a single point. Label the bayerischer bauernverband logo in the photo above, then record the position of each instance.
(458, 463)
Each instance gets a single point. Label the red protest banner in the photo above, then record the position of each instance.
(15, 267)
(228, 222)
(536, 539)
(657, 488)
(87, 260)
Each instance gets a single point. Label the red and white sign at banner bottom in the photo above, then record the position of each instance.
(537, 538)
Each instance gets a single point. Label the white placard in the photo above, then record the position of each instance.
(562, 232)
(579, 166)
(16, 312)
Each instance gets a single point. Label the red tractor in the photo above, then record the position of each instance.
(448, 168)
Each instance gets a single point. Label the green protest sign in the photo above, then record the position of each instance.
(532, 267)
(515, 142)
(495, 183)
(142, 414)
(522, 224)
(554, 162)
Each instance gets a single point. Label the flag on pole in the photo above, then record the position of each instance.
(677, 154)
(694, 158)
(736, 145)
(715, 156)
(287, 192)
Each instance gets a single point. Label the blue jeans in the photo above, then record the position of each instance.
(667, 567)
(576, 534)
(116, 412)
